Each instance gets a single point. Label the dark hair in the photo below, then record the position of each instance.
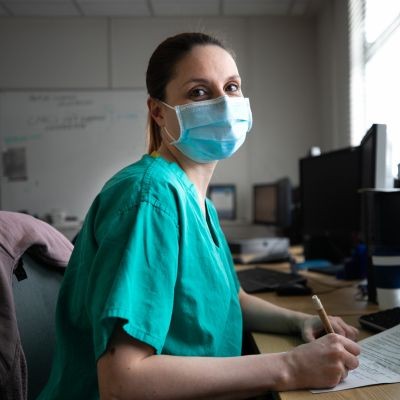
(161, 70)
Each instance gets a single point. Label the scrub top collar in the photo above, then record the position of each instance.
(175, 167)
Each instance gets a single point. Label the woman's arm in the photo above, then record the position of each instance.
(260, 315)
(129, 369)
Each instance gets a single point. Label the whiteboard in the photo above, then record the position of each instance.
(73, 142)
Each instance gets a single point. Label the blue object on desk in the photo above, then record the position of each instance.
(317, 263)
(322, 266)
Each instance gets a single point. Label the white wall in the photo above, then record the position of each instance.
(277, 58)
(48, 53)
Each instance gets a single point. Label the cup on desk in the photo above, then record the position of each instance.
(387, 279)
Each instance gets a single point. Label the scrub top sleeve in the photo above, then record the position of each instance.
(134, 277)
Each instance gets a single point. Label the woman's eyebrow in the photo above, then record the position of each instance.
(206, 81)
(196, 80)
(234, 77)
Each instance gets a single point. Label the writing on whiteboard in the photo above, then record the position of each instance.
(71, 111)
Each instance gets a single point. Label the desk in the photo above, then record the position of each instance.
(339, 298)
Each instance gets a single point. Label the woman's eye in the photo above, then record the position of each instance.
(198, 92)
(232, 87)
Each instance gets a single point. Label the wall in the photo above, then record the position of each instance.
(333, 59)
(277, 58)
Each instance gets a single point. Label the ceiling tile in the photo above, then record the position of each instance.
(36, 1)
(182, 8)
(137, 8)
(179, 8)
(255, 7)
(31, 8)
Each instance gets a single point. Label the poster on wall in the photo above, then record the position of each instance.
(14, 164)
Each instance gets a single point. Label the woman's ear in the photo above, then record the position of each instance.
(156, 111)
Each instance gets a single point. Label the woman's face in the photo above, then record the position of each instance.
(207, 72)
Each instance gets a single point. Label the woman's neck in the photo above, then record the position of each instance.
(199, 174)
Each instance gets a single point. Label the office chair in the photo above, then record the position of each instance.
(33, 257)
(35, 302)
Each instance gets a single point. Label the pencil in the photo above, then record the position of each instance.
(322, 314)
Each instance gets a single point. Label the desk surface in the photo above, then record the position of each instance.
(339, 298)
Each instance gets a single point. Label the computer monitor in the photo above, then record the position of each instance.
(373, 158)
(330, 203)
(223, 197)
(272, 203)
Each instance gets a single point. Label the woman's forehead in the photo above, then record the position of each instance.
(203, 61)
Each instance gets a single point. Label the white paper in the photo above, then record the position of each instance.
(379, 362)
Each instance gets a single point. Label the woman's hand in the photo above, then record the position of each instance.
(323, 363)
(312, 328)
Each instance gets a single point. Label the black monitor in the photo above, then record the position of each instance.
(223, 197)
(373, 158)
(330, 203)
(272, 203)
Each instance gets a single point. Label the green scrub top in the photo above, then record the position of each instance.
(148, 257)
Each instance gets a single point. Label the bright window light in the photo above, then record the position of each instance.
(382, 71)
(379, 14)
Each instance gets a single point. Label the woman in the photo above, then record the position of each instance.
(150, 307)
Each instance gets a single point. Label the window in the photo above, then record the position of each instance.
(375, 55)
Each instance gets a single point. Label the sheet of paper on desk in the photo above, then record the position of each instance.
(379, 362)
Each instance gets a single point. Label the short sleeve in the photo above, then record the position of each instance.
(133, 277)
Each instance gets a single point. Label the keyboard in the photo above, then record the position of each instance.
(381, 320)
(263, 280)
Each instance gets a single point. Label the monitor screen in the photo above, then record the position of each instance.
(224, 200)
(330, 203)
(266, 204)
(373, 158)
(272, 203)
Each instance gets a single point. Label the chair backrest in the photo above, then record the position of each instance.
(35, 301)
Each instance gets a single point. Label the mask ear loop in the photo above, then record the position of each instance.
(173, 140)
(164, 128)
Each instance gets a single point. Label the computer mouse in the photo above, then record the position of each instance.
(293, 289)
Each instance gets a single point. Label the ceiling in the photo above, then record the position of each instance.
(157, 8)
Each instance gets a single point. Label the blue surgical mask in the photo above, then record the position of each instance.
(212, 130)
